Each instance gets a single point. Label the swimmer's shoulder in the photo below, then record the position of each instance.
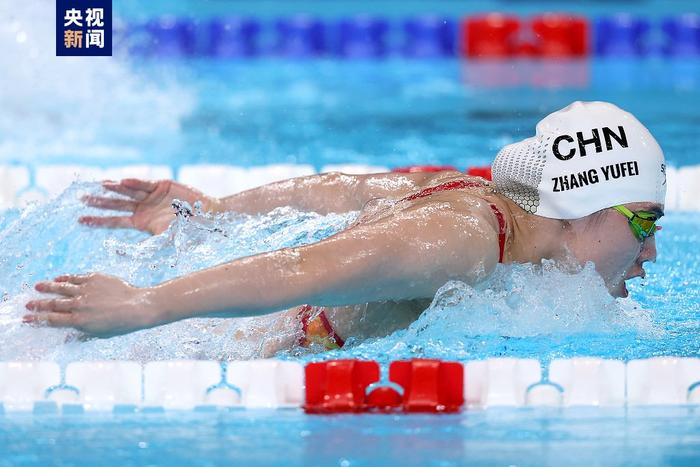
(475, 205)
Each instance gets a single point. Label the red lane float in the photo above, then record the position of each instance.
(429, 385)
(561, 35)
(423, 168)
(384, 399)
(341, 386)
(490, 36)
(497, 36)
(483, 172)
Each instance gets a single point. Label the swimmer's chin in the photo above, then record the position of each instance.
(620, 291)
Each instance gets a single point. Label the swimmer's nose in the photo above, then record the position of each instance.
(648, 252)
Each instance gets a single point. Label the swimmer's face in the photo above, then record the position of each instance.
(610, 244)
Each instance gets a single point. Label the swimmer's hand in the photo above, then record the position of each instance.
(96, 304)
(149, 204)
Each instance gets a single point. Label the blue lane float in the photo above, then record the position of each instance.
(622, 35)
(300, 37)
(171, 37)
(429, 37)
(362, 37)
(233, 37)
(682, 35)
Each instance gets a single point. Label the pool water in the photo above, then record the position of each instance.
(388, 113)
(649, 436)
(125, 110)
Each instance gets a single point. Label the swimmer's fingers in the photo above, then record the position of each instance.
(58, 305)
(117, 187)
(54, 320)
(140, 185)
(76, 279)
(61, 288)
(112, 222)
(110, 203)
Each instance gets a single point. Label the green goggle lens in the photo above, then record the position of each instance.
(642, 223)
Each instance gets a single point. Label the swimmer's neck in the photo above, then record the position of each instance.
(535, 238)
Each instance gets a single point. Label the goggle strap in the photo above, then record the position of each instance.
(624, 211)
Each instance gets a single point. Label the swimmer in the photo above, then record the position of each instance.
(589, 186)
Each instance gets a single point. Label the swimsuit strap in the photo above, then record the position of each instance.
(453, 185)
(317, 329)
(502, 230)
(329, 328)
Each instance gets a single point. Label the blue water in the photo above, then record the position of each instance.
(115, 111)
(329, 112)
(651, 436)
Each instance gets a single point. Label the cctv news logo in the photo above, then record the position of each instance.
(83, 28)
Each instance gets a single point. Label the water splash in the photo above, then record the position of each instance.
(44, 240)
(521, 310)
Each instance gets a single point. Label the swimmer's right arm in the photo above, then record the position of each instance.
(400, 258)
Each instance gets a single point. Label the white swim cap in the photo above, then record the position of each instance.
(583, 158)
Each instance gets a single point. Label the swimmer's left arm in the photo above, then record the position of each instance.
(404, 257)
(323, 193)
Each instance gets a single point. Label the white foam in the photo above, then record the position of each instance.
(47, 242)
(527, 300)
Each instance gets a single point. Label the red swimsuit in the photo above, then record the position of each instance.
(317, 329)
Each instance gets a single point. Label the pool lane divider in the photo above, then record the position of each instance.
(493, 35)
(419, 385)
(346, 386)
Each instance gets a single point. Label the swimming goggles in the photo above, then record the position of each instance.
(642, 223)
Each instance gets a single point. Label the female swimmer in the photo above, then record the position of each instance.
(589, 186)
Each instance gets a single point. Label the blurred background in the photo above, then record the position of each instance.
(227, 94)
